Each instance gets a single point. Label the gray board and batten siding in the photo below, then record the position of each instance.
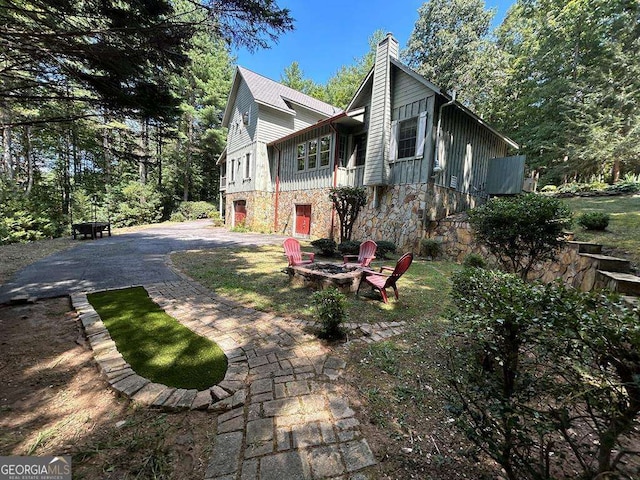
(465, 150)
(293, 179)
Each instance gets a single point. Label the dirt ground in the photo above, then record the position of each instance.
(54, 402)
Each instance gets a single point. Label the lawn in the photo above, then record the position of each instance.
(254, 277)
(622, 236)
(155, 344)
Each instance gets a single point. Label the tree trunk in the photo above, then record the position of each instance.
(615, 171)
(28, 157)
(7, 159)
(187, 166)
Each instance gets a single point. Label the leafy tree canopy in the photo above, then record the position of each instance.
(117, 53)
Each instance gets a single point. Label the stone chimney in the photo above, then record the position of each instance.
(376, 170)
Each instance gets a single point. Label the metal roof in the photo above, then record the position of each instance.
(276, 95)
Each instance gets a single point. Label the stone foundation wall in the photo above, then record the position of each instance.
(259, 210)
(397, 217)
(321, 211)
(457, 241)
(403, 209)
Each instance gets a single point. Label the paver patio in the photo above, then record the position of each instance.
(283, 415)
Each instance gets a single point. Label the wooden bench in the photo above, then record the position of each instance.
(91, 229)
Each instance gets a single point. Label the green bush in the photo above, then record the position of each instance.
(522, 230)
(473, 260)
(196, 210)
(549, 188)
(594, 220)
(385, 248)
(216, 218)
(327, 246)
(177, 217)
(25, 218)
(349, 247)
(430, 248)
(629, 184)
(528, 364)
(331, 310)
(137, 204)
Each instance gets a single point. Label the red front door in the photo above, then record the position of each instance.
(303, 219)
(240, 207)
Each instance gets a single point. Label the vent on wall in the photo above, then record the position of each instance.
(454, 182)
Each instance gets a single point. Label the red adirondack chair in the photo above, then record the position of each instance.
(366, 255)
(294, 254)
(382, 281)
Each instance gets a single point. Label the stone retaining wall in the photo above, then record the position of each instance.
(457, 241)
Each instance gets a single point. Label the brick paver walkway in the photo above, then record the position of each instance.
(291, 421)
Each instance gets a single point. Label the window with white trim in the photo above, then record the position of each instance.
(360, 146)
(302, 156)
(407, 132)
(408, 137)
(325, 150)
(312, 151)
(232, 171)
(247, 166)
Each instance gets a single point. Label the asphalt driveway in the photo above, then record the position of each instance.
(128, 259)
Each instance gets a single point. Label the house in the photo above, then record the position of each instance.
(420, 154)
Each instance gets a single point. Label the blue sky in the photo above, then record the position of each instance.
(332, 33)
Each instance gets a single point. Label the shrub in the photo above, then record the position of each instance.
(594, 220)
(385, 248)
(196, 210)
(521, 231)
(331, 310)
(531, 364)
(137, 204)
(430, 248)
(349, 247)
(327, 246)
(629, 184)
(473, 260)
(177, 217)
(549, 188)
(216, 218)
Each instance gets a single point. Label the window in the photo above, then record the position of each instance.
(360, 146)
(313, 153)
(247, 166)
(407, 133)
(325, 150)
(302, 153)
(342, 150)
(232, 171)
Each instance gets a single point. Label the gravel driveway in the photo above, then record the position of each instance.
(122, 260)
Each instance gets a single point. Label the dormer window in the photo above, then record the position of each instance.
(246, 117)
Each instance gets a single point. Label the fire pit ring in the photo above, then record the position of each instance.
(319, 276)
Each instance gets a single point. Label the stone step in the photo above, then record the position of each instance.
(633, 301)
(586, 247)
(623, 283)
(609, 264)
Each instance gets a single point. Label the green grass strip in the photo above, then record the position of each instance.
(155, 344)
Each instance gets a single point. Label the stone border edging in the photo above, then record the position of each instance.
(123, 379)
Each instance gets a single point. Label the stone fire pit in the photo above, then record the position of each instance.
(319, 276)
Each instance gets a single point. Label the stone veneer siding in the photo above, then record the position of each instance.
(457, 240)
(259, 210)
(403, 209)
(321, 211)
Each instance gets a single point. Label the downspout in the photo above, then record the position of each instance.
(275, 216)
(335, 177)
(436, 164)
